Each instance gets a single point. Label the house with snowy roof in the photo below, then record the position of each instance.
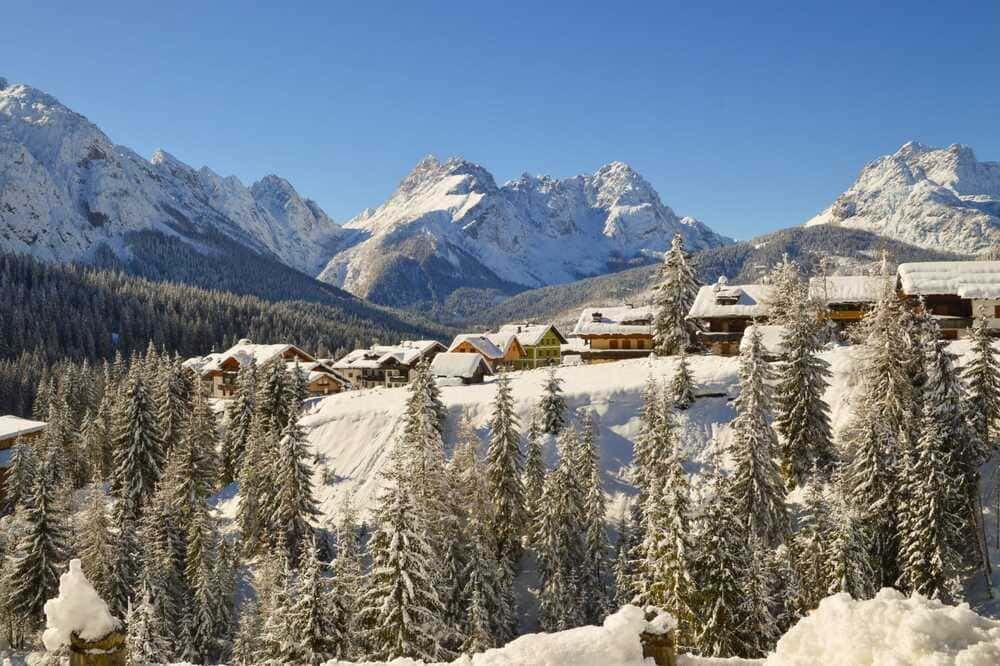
(846, 298)
(723, 311)
(458, 368)
(613, 333)
(499, 350)
(220, 371)
(386, 365)
(954, 292)
(542, 343)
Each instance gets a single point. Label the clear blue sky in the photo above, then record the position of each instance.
(748, 115)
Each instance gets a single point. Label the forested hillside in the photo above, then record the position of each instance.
(71, 313)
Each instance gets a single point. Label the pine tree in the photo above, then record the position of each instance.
(20, 477)
(239, 422)
(174, 397)
(347, 584)
(682, 383)
(40, 551)
(504, 465)
(485, 618)
(552, 404)
(534, 470)
(813, 544)
(315, 622)
(164, 545)
(802, 417)
(982, 376)
(248, 645)
(192, 469)
(273, 393)
(788, 292)
(294, 503)
(674, 295)
(400, 608)
(96, 543)
(593, 587)
(138, 448)
(757, 490)
(255, 485)
(200, 563)
(144, 643)
(851, 546)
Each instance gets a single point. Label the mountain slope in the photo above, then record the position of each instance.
(931, 197)
(66, 189)
(449, 225)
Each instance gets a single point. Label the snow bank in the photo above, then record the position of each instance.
(889, 630)
(616, 643)
(78, 609)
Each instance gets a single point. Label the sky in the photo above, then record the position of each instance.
(750, 116)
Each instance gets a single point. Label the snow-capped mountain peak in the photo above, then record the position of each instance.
(943, 198)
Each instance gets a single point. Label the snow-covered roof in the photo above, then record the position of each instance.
(771, 337)
(14, 426)
(483, 342)
(966, 279)
(531, 334)
(458, 364)
(406, 352)
(846, 288)
(615, 320)
(723, 300)
(243, 352)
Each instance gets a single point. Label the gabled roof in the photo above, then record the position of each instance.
(457, 364)
(406, 352)
(965, 279)
(531, 334)
(482, 343)
(615, 320)
(242, 352)
(313, 370)
(847, 288)
(14, 426)
(723, 300)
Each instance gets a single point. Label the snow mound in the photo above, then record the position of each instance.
(616, 643)
(889, 630)
(78, 609)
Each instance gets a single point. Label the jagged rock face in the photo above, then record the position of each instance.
(937, 198)
(449, 225)
(66, 188)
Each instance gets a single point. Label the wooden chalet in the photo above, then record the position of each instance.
(386, 365)
(847, 297)
(499, 350)
(220, 371)
(15, 430)
(459, 368)
(955, 292)
(723, 311)
(613, 333)
(542, 344)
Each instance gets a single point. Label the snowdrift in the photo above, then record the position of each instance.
(889, 630)
(78, 609)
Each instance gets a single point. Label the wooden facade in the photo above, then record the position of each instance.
(723, 312)
(498, 350)
(614, 333)
(542, 344)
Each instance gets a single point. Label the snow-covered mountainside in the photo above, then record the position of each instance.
(941, 198)
(449, 225)
(66, 188)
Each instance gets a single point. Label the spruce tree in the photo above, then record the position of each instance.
(315, 622)
(534, 470)
(20, 476)
(813, 543)
(294, 503)
(174, 398)
(682, 383)
(347, 584)
(192, 469)
(248, 645)
(239, 422)
(802, 417)
(674, 295)
(757, 490)
(40, 551)
(594, 574)
(144, 643)
(138, 447)
(982, 376)
(504, 466)
(552, 404)
(96, 543)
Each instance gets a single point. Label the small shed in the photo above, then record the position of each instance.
(459, 368)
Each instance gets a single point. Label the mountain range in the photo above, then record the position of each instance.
(70, 193)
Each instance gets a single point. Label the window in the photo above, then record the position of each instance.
(626, 344)
(613, 344)
(996, 311)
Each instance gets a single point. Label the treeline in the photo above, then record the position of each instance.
(54, 314)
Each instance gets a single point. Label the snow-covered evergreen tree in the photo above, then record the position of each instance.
(504, 467)
(757, 490)
(802, 417)
(552, 404)
(96, 543)
(400, 609)
(674, 295)
(788, 293)
(144, 643)
(255, 484)
(851, 547)
(295, 505)
(175, 385)
(534, 470)
(982, 376)
(40, 550)
(347, 583)
(249, 645)
(192, 469)
(239, 422)
(594, 573)
(813, 543)
(20, 476)
(682, 383)
(138, 446)
(314, 619)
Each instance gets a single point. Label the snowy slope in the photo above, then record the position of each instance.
(449, 225)
(66, 188)
(941, 198)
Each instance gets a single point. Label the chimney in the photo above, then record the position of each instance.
(598, 316)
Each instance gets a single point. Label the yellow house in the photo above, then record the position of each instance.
(542, 344)
(615, 333)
